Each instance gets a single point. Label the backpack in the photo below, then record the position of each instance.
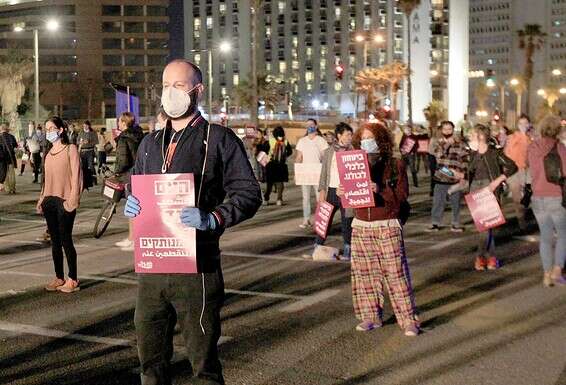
(404, 206)
(553, 166)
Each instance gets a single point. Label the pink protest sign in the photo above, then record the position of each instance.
(484, 209)
(262, 158)
(422, 145)
(322, 218)
(355, 179)
(162, 243)
(408, 145)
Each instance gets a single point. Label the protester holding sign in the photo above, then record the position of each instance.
(329, 182)
(489, 167)
(309, 151)
(408, 147)
(378, 254)
(227, 193)
(59, 200)
(452, 163)
(276, 170)
(548, 200)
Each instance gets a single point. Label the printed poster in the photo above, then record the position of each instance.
(408, 146)
(162, 244)
(322, 218)
(307, 174)
(485, 209)
(355, 179)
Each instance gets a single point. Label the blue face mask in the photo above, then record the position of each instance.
(311, 129)
(370, 146)
(52, 136)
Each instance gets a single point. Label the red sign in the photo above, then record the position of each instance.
(484, 209)
(322, 218)
(162, 243)
(355, 179)
(408, 146)
(423, 145)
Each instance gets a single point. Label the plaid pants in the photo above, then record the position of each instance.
(378, 259)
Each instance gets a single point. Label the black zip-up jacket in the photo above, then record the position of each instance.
(230, 190)
(126, 150)
(496, 161)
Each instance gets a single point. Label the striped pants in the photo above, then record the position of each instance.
(378, 260)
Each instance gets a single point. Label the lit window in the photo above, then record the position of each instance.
(281, 6)
(309, 77)
(236, 79)
(209, 22)
(295, 65)
(337, 11)
(295, 41)
(367, 22)
(223, 91)
(352, 60)
(323, 65)
(282, 67)
(309, 87)
(197, 23)
(323, 51)
(197, 58)
(222, 7)
(268, 31)
(337, 86)
(309, 52)
(268, 66)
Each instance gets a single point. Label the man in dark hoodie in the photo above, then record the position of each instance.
(228, 194)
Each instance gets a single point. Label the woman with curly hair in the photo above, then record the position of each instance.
(378, 252)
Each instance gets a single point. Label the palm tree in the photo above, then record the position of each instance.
(390, 74)
(531, 39)
(434, 113)
(15, 70)
(269, 91)
(408, 6)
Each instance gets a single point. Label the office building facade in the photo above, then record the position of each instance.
(98, 42)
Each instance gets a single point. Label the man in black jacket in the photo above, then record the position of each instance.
(229, 194)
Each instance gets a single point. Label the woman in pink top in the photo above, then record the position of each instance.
(547, 202)
(59, 200)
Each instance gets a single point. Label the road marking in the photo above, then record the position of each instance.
(281, 257)
(39, 331)
(310, 300)
(135, 282)
(45, 332)
(528, 238)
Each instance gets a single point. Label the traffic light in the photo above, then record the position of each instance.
(339, 70)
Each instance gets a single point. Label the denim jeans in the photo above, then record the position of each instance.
(346, 223)
(307, 211)
(439, 202)
(164, 298)
(551, 217)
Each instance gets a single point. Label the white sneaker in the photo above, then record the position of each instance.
(125, 243)
(128, 248)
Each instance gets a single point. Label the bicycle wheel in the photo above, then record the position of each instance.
(104, 217)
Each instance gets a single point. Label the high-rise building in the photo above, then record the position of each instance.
(300, 42)
(98, 42)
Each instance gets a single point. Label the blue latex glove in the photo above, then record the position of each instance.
(133, 207)
(200, 220)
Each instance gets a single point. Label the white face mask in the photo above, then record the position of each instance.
(176, 102)
(474, 146)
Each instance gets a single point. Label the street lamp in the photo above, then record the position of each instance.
(433, 73)
(222, 47)
(52, 25)
(556, 72)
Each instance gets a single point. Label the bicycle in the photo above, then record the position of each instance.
(113, 191)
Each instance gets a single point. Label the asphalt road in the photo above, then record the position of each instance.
(287, 320)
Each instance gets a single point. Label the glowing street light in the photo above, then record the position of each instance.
(514, 82)
(490, 83)
(562, 90)
(360, 38)
(315, 104)
(434, 73)
(18, 28)
(378, 39)
(225, 46)
(52, 25)
(541, 92)
(556, 72)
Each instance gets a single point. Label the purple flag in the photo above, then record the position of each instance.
(122, 104)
